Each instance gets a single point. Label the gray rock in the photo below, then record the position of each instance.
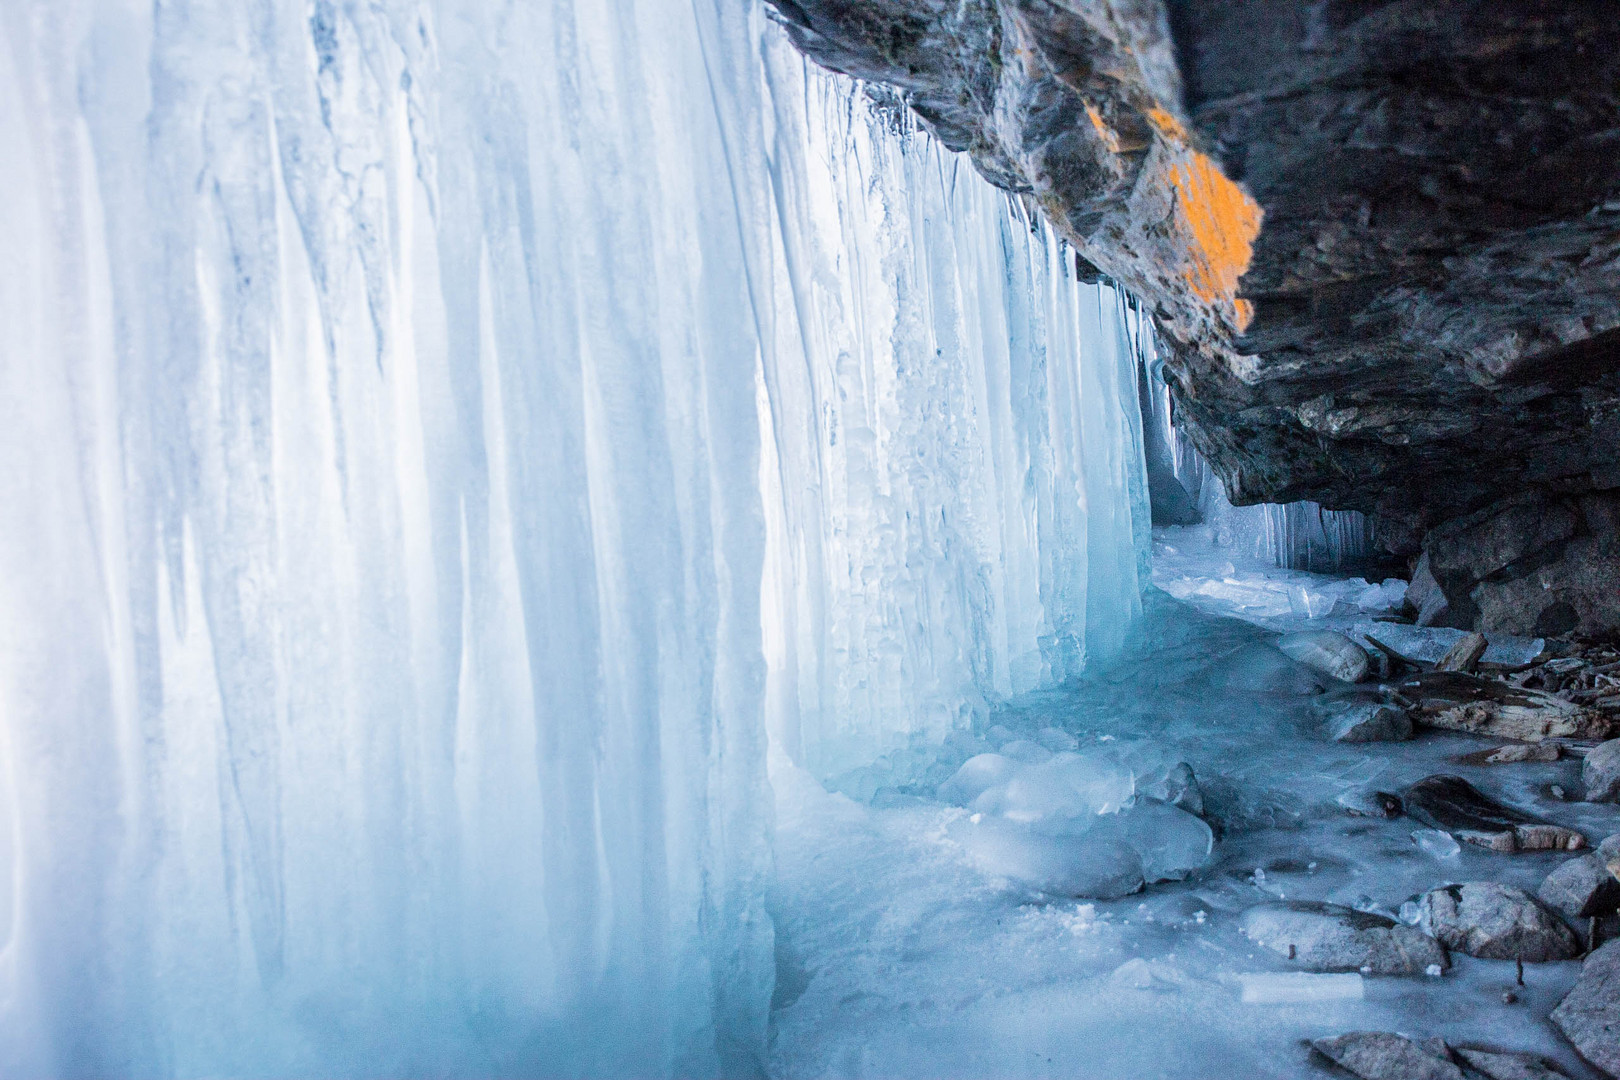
(1328, 937)
(1601, 773)
(1495, 922)
(1581, 889)
(1609, 852)
(1328, 652)
(1383, 1055)
(1367, 803)
(1589, 1016)
(1452, 804)
(1370, 721)
(1258, 668)
(1505, 1065)
(1176, 786)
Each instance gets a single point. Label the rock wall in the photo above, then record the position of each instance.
(1381, 239)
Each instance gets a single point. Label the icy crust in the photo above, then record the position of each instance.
(914, 955)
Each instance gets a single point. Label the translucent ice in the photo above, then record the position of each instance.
(1098, 867)
(1299, 988)
(977, 775)
(1437, 842)
(440, 441)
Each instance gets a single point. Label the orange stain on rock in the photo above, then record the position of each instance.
(1217, 220)
(1222, 222)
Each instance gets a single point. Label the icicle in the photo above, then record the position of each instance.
(401, 408)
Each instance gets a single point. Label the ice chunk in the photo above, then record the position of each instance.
(1308, 603)
(1429, 643)
(1170, 842)
(1068, 786)
(1437, 842)
(977, 775)
(1299, 987)
(1095, 867)
(1056, 740)
(1031, 753)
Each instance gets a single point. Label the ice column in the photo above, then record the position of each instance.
(380, 681)
(955, 500)
(438, 442)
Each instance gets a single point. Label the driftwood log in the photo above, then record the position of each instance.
(1458, 702)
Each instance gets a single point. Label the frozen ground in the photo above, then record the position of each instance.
(898, 956)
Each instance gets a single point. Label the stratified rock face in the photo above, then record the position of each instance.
(1382, 238)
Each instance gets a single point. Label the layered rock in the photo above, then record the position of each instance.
(1382, 241)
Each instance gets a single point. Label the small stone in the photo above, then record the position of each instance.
(1328, 652)
(1589, 1016)
(1581, 889)
(1515, 753)
(1500, 1065)
(1495, 922)
(1601, 773)
(1463, 656)
(1383, 1055)
(1509, 997)
(1328, 937)
(1364, 803)
(1452, 804)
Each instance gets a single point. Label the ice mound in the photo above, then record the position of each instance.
(1099, 824)
(1080, 865)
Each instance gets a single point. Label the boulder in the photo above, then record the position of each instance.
(1369, 721)
(1589, 1016)
(1328, 652)
(1495, 922)
(1383, 1055)
(1258, 668)
(1367, 803)
(1452, 804)
(1328, 937)
(1609, 852)
(1601, 773)
(1581, 889)
(1505, 1065)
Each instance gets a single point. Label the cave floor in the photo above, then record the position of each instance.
(898, 957)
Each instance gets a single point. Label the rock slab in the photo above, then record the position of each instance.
(1601, 772)
(1452, 804)
(1581, 889)
(1383, 1055)
(1495, 922)
(1499, 1065)
(1329, 937)
(1589, 1016)
(1327, 652)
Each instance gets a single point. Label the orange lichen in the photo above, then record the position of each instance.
(1167, 125)
(1222, 223)
(1107, 134)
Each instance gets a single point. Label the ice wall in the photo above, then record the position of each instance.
(956, 508)
(435, 437)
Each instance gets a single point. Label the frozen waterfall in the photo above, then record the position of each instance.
(443, 443)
